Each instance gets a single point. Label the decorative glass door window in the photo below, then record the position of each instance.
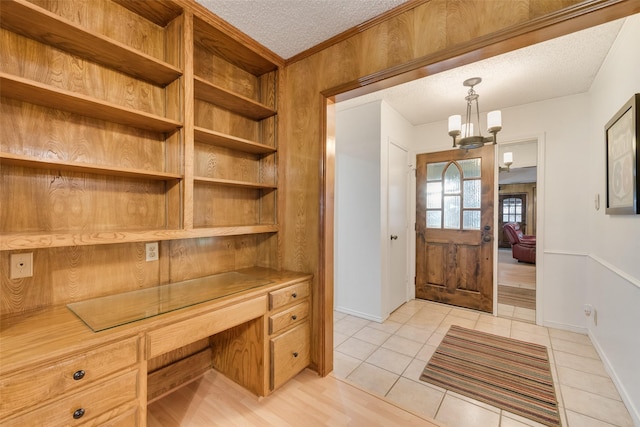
(512, 210)
(454, 195)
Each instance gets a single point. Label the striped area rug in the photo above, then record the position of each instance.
(510, 374)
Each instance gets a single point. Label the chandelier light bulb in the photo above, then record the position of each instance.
(494, 121)
(455, 124)
(508, 158)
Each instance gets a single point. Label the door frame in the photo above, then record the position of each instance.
(540, 140)
(512, 38)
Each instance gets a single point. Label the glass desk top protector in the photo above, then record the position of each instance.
(115, 310)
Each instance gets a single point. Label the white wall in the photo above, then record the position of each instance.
(361, 234)
(613, 266)
(357, 214)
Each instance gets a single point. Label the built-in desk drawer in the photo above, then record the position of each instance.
(40, 384)
(187, 331)
(288, 317)
(289, 295)
(128, 419)
(290, 354)
(83, 406)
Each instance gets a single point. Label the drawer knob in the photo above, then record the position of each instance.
(295, 354)
(78, 375)
(294, 317)
(294, 295)
(78, 413)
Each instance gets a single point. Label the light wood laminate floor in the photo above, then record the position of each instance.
(307, 400)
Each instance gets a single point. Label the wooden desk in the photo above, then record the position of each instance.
(53, 367)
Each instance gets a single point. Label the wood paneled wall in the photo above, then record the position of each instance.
(424, 37)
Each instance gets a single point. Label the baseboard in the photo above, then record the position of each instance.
(634, 412)
(367, 316)
(565, 327)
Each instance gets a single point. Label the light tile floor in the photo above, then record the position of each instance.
(388, 358)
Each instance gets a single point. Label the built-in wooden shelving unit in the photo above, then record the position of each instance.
(128, 148)
(124, 122)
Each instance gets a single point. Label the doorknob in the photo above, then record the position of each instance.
(394, 237)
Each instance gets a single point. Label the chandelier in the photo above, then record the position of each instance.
(463, 133)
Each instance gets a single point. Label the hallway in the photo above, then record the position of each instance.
(516, 288)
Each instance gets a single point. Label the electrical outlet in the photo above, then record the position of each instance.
(21, 265)
(152, 252)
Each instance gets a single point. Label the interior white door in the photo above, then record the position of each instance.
(398, 269)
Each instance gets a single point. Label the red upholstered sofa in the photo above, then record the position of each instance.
(523, 248)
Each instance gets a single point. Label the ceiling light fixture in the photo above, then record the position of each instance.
(463, 133)
(508, 161)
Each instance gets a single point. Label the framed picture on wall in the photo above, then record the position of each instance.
(623, 164)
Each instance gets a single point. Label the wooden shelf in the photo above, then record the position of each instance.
(221, 97)
(48, 96)
(159, 12)
(221, 44)
(40, 240)
(219, 139)
(30, 162)
(37, 23)
(234, 183)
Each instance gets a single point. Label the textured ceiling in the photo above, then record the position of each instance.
(288, 27)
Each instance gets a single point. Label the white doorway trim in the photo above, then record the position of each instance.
(540, 139)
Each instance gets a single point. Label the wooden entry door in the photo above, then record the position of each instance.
(454, 235)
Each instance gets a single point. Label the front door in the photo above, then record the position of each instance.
(454, 235)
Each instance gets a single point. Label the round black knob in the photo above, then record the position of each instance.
(294, 295)
(294, 317)
(78, 375)
(295, 354)
(78, 413)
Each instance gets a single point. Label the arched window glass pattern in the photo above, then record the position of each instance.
(454, 195)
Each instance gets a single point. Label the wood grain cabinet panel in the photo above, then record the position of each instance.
(128, 419)
(290, 354)
(27, 388)
(185, 332)
(83, 406)
(288, 295)
(289, 317)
